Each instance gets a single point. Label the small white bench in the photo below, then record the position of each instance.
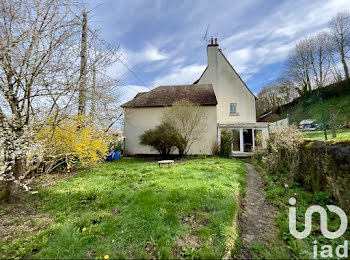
(165, 162)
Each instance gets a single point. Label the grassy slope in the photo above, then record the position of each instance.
(312, 110)
(336, 98)
(342, 135)
(134, 209)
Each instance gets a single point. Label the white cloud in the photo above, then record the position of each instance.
(251, 34)
(150, 53)
(116, 70)
(177, 76)
(270, 40)
(131, 59)
(153, 54)
(178, 60)
(128, 92)
(181, 75)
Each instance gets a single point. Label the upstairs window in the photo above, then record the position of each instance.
(233, 109)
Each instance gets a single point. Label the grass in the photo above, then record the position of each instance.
(342, 135)
(134, 209)
(278, 195)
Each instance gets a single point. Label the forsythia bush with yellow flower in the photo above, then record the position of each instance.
(73, 141)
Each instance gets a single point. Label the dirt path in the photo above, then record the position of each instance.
(256, 221)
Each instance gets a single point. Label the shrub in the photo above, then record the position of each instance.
(226, 143)
(115, 146)
(73, 141)
(164, 138)
(283, 150)
(188, 118)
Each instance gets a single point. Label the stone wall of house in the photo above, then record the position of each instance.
(326, 167)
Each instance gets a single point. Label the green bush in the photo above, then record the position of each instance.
(115, 146)
(164, 138)
(226, 144)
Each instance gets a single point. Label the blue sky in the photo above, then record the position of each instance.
(162, 41)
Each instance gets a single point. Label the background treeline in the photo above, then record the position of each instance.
(315, 62)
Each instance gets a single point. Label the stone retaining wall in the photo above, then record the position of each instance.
(326, 167)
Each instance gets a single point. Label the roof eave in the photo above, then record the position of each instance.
(209, 104)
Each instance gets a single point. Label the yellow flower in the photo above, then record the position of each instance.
(106, 257)
(84, 229)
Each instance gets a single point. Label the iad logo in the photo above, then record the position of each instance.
(308, 221)
(327, 249)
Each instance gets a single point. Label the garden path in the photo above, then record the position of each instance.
(257, 219)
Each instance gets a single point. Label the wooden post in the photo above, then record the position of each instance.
(83, 68)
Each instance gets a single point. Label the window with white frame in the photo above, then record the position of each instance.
(233, 109)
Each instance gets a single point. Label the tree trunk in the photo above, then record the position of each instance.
(12, 188)
(346, 70)
(308, 81)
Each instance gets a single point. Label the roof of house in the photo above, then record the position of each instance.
(202, 94)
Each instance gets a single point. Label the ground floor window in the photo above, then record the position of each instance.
(245, 139)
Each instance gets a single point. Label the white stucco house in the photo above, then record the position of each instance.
(228, 102)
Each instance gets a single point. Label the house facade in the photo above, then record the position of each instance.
(228, 103)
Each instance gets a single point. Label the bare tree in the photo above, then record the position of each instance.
(319, 51)
(101, 87)
(310, 63)
(267, 99)
(278, 93)
(298, 67)
(36, 68)
(39, 75)
(287, 90)
(188, 118)
(340, 31)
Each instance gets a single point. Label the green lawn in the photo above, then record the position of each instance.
(133, 209)
(342, 135)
